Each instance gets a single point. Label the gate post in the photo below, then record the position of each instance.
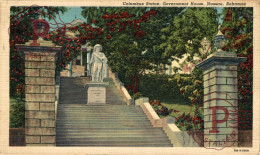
(220, 96)
(39, 93)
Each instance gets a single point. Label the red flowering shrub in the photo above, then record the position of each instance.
(187, 122)
(160, 109)
(241, 41)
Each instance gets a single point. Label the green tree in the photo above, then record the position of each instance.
(129, 43)
(185, 33)
(21, 32)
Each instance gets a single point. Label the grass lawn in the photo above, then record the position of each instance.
(181, 106)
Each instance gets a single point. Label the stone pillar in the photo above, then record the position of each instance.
(220, 97)
(81, 58)
(70, 69)
(88, 63)
(39, 94)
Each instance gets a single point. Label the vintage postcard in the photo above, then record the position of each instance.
(129, 77)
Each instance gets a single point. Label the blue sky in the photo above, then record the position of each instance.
(69, 16)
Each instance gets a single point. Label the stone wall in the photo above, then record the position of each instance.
(40, 98)
(16, 137)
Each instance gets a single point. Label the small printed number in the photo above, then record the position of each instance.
(241, 150)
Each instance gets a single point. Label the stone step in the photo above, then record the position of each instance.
(103, 128)
(112, 129)
(91, 107)
(113, 99)
(108, 124)
(88, 115)
(99, 107)
(117, 143)
(72, 87)
(64, 94)
(105, 106)
(81, 134)
(75, 78)
(109, 135)
(87, 107)
(102, 118)
(73, 100)
(99, 114)
(101, 124)
(114, 145)
(87, 134)
(78, 90)
(87, 123)
(83, 121)
(129, 139)
(73, 95)
(74, 81)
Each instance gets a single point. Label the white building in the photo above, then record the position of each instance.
(183, 65)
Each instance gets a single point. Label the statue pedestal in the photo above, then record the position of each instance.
(96, 93)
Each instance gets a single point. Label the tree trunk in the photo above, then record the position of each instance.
(135, 83)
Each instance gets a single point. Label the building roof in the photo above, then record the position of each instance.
(75, 22)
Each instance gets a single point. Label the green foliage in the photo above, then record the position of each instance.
(159, 86)
(192, 87)
(17, 114)
(239, 33)
(137, 39)
(160, 109)
(185, 33)
(186, 122)
(137, 95)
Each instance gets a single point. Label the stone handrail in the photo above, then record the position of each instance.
(120, 86)
(178, 138)
(57, 91)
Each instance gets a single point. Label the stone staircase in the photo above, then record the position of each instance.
(114, 124)
(72, 90)
(112, 93)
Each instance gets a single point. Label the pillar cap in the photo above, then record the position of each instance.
(220, 58)
(44, 45)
